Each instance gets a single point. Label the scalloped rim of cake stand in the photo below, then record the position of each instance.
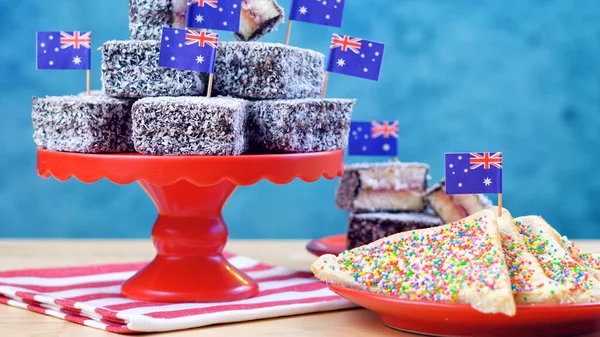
(243, 170)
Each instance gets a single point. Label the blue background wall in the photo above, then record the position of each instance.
(522, 77)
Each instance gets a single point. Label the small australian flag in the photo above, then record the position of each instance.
(474, 173)
(214, 14)
(188, 50)
(320, 12)
(355, 57)
(64, 50)
(374, 138)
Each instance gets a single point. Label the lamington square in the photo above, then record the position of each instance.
(130, 69)
(299, 125)
(83, 123)
(454, 207)
(383, 187)
(364, 228)
(189, 126)
(148, 17)
(265, 71)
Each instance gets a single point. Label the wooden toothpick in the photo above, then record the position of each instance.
(289, 31)
(210, 83)
(324, 89)
(88, 81)
(500, 204)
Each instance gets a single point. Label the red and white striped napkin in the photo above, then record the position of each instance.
(91, 296)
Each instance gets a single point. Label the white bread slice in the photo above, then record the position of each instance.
(461, 262)
(529, 283)
(587, 260)
(556, 262)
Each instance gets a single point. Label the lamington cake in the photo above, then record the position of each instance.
(130, 69)
(261, 71)
(147, 18)
(299, 125)
(456, 206)
(189, 126)
(84, 123)
(364, 228)
(383, 187)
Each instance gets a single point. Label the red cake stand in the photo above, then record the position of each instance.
(189, 193)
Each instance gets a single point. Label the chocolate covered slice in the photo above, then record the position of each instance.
(299, 125)
(364, 228)
(84, 123)
(454, 207)
(130, 69)
(261, 71)
(189, 126)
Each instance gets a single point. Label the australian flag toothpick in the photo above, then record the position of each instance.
(473, 173)
(320, 12)
(188, 50)
(374, 138)
(355, 57)
(214, 14)
(64, 50)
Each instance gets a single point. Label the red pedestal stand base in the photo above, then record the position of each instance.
(189, 194)
(189, 236)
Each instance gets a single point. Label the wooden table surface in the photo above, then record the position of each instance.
(18, 254)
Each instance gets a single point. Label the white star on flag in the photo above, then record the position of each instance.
(199, 18)
(459, 184)
(487, 181)
(200, 59)
(341, 62)
(76, 60)
(303, 10)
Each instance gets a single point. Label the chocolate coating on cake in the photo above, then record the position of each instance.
(365, 228)
(454, 207)
(189, 126)
(383, 187)
(148, 17)
(130, 69)
(257, 70)
(85, 124)
(299, 125)
(258, 17)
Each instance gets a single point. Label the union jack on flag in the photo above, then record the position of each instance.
(214, 14)
(384, 129)
(188, 50)
(473, 173)
(201, 3)
(355, 57)
(64, 50)
(373, 138)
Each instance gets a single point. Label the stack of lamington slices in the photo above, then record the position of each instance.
(266, 95)
(386, 198)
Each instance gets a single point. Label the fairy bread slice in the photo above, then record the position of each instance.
(556, 262)
(529, 283)
(461, 262)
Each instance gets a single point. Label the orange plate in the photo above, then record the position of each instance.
(334, 244)
(199, 170)
(444, 319)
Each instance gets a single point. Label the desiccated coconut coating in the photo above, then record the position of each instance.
(130, 69)
(299, 125)
(364, 228)
(148, 17)
(257, 70)
(87, 124)
(189, 126)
